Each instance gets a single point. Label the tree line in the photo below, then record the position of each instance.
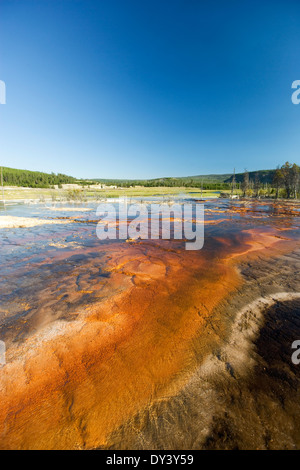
(34, 179)
(285, 183)
(282, 182)
(288, 178)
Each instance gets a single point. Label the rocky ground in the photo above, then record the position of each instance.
(246, 393)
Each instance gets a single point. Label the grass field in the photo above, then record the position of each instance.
(89, 194)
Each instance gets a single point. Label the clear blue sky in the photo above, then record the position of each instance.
(142, 89)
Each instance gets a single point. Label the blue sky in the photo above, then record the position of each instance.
(142, 89)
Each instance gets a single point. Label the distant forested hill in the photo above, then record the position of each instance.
(34, 179)
(213, 181)
(37, 179)
(264, 176)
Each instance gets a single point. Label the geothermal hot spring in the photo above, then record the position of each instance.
(141, 344)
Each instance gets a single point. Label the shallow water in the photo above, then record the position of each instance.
(96, 330)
